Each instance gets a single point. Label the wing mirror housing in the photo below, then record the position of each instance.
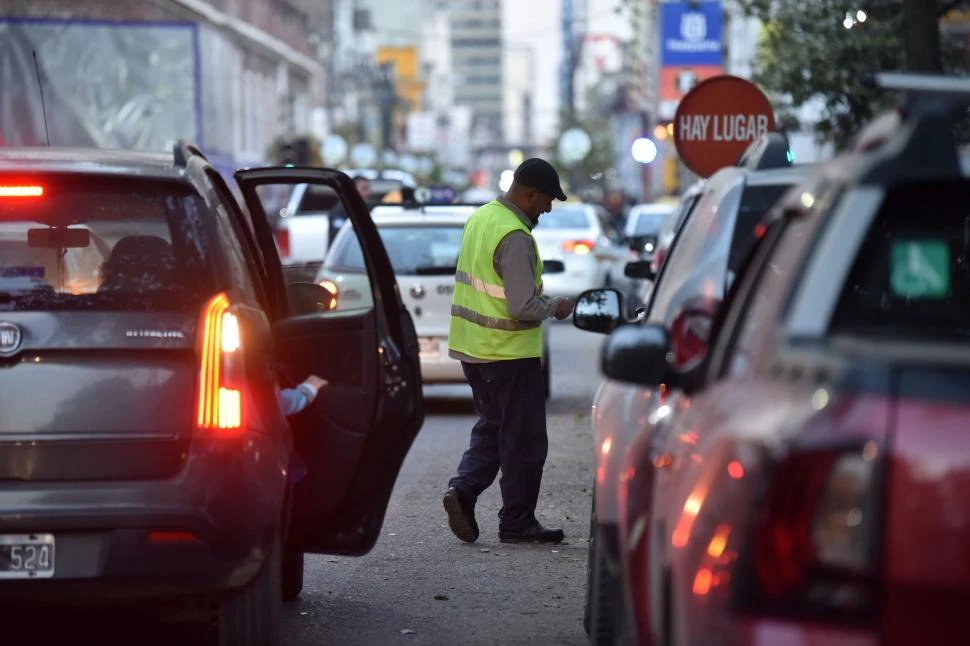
(640, 269)
(309, 298)
(598, 310)
(553, 266)
(637, 354)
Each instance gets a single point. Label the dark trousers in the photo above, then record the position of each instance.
(510, 435)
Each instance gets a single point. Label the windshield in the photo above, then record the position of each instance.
(564, 218)
(102, 243)
(413, 249)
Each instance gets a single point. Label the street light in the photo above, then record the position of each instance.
(644, 150)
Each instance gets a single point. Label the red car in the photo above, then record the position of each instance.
(805, 484)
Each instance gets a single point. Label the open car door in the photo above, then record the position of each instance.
(356, 434)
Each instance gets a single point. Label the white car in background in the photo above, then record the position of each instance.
(584, 239)
(312, 216)
(643, 225)
(422, 243)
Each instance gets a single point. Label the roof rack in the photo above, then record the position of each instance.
(916, 140)
(770, 150)
(183, 149)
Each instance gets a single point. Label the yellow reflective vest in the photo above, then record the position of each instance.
(481, 325)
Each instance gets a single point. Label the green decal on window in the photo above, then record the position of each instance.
(920, 268)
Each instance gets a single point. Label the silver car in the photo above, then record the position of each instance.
(584, 239)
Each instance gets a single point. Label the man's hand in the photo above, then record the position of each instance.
(564, 307)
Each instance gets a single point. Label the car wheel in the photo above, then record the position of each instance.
(292, 575)
(602, 593)
(251, 617)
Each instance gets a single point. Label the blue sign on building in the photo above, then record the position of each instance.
(691, 32)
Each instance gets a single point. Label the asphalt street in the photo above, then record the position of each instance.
(420, 584)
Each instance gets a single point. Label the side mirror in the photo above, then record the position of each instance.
(639, 269)
(637, 354)
(598, 310)
(309, 298)
(553, 266)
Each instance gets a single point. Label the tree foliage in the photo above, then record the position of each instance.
(807, 54)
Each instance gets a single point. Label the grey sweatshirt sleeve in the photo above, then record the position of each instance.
(515, 262)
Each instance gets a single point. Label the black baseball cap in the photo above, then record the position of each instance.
(539, 174)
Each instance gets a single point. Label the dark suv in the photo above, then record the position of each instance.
(145, 330)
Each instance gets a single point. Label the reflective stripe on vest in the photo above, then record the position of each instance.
(481, 325)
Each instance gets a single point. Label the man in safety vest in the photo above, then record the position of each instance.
(496, 333)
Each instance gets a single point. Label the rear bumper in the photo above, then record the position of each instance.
(220, 514)
(441, 370)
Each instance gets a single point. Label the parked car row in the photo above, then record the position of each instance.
(787, 464)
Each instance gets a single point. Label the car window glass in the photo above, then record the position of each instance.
(105, 243)
(318, 199)
(648, 223)
(664, 287)
(911, 278)
(755, 203)
(755, 335)
(564, 218)
(683, 254)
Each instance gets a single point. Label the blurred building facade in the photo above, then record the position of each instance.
(229, 74)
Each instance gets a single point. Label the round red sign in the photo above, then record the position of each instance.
(717, 120)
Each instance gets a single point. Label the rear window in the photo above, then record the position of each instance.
(911, 278)
(756, 201)
(412, 250)
(564, 219)
(649, 223)
(101, 243)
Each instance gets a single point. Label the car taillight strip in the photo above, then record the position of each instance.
(219, 406)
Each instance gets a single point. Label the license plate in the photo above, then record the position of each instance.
(428, 347)
(26, 556)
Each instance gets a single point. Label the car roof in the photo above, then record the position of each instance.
(388, 173)
(425, 215)
(788, 175)
(90, 160)
(653, 208)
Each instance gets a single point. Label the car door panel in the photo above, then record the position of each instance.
(353, 439)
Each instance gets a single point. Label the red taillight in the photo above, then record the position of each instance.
(578, 247)
(283, 242)
(690, 333)
(21, 191)
(814, 543)
(220, 393)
